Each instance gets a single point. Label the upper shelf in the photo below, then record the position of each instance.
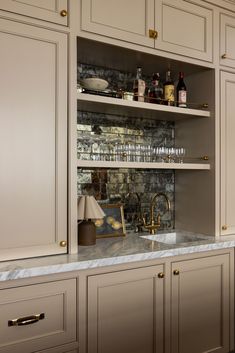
(109, 105)
(142, 165)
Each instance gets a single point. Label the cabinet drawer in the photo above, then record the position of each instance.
(55, 302)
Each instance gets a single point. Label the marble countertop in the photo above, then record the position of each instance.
(111, 251)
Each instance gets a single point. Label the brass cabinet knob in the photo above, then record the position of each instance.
(161, 275)
(63, 243)
(205, 158)
(63, 13)
(224, 227)
(176, 272)
(224, 56)
(153, 34)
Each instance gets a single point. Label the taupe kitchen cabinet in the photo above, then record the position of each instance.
(200, 305)
(125, 311)
(33, 141)
(38, 317)
(55, 11)
(177, 27)
(227, 40)
(227, 124)
(179, 307)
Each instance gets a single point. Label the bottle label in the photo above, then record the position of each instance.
(169, 93)
(182, 98)
(139, 90)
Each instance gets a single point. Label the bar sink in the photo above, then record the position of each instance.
(174, 238)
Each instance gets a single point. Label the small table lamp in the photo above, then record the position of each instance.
(88, 209)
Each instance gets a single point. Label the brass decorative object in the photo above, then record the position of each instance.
(224, 227)
(224, 56)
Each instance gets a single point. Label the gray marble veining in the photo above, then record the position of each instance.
(112, 251)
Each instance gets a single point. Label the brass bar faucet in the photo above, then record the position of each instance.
(152, 226)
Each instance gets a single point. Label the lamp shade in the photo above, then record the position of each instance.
(88, 208)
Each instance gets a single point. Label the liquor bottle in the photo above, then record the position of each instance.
(169, 90)
(139, 86)
(181, 92)
(155, 91)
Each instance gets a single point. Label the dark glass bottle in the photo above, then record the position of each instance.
(169, 90)
(139, 86)
(155, 91)
(181, 92)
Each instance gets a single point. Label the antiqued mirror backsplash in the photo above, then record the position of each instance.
(116, 138)
(111, 138)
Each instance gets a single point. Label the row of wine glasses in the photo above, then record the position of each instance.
(115, 150)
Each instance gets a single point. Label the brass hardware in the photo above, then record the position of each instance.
(27, 320)
(176, 272)
(63, 243)
(161, 275)
(205, 105)
(224, 56)
(63, 13)
(152, 226)
(153, 34)
(224, 227)
(205, 158)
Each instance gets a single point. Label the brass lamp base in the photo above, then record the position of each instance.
(86, 233)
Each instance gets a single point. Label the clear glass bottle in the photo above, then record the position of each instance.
(169, 90)
(155, 91)
(181, 92)
(139, 86)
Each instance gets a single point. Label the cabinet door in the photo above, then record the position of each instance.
(126, 20)
(227, 153)
(184, 28)
(33, 141)
(125, 312)
(47, 10)
(227, 40)
(200, 305)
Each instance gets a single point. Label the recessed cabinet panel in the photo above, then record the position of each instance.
(126, 20)
(184, 28)
(33, 141)
(125, 311)
(53, 303)
(227, 40)
(227, 153)
(200, 305)
(47, 10)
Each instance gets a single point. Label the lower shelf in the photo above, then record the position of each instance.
(142, 165)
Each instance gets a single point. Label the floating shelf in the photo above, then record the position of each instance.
(109, 105)
(142, 165)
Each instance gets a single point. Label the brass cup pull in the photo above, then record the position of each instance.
(224, 227)
(63, 13)
(27, 320)
(63, 243)
(161, 275)
(176, 272)
(224, 56)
